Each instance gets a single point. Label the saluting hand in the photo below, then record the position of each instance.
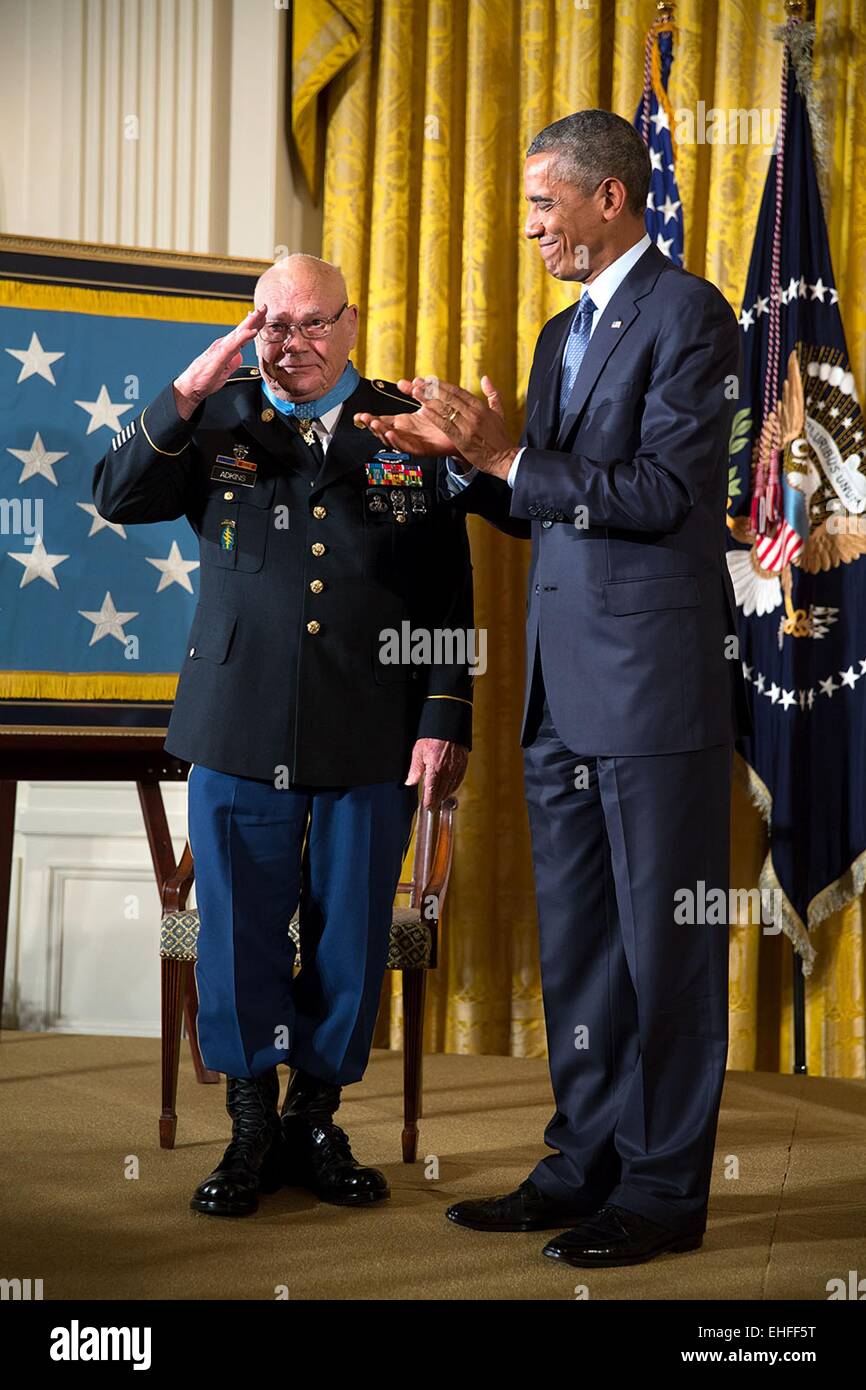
(213, 367)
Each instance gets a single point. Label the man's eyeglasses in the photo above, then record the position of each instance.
(278, 332)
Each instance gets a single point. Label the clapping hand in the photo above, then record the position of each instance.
(450, 421)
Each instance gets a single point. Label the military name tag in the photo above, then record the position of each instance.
(393, 468)
(232, 475)
(235, 469)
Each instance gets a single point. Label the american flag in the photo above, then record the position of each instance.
(653, 121)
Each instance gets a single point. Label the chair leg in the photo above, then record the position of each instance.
(203, 1075)
(172, 972)
(414, 990)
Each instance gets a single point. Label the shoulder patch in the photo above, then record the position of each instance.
(123, 436)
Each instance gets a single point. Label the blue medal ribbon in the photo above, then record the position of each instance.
(314, 410)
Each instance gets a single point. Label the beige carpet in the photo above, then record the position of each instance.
(80, 1111)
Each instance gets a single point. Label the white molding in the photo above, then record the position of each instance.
(117, 1029)
(60, 873)
(13, 934)
(89, 831)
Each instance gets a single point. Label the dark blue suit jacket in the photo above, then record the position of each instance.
(631, 600)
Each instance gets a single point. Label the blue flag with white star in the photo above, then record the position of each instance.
(798, 539)
(93, 615)
(664, 211)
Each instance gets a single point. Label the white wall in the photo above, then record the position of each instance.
(209, 172)
(84, 918)
(155, 123)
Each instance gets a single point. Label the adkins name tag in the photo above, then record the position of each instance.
(234, 470)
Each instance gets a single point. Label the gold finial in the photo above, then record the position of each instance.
(664, 11)
(795, 9)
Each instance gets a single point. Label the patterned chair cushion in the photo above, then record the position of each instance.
(410, 946)
(178, 936)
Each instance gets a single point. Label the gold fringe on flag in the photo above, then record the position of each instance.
(91, 685)
(656, 79)
(17, 294)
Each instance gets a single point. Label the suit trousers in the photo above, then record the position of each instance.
(636, 1002)
(260, 852)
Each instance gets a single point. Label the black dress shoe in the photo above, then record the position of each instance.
(614, 1236)
(526, 1209)
(252, 1162)
(316, 1153)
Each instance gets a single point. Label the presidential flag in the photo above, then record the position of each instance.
(655, 124)
(93, 614)
(798, 536)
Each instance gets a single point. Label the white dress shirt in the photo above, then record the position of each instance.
(602, 290)
(325, 425)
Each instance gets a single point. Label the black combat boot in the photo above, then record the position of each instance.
(251, 1163)
(316, 1152)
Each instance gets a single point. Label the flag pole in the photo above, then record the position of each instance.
(796, 13)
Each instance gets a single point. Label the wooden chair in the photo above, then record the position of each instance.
(413, 949)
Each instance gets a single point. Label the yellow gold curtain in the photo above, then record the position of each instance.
(425, 127)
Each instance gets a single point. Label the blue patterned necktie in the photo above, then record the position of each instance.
(578, 340)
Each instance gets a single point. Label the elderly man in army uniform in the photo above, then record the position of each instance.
(307, 742)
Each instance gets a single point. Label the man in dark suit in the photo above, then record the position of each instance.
(319, 551)
(633, 695)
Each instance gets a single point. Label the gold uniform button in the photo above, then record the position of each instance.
(227, 496)
(320, 513)
(316, 586)
(317, 549)
(267, 415)
(313, 627)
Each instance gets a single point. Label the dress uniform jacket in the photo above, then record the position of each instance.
(303, 568)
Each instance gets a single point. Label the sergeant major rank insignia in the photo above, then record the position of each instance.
(237, 469)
